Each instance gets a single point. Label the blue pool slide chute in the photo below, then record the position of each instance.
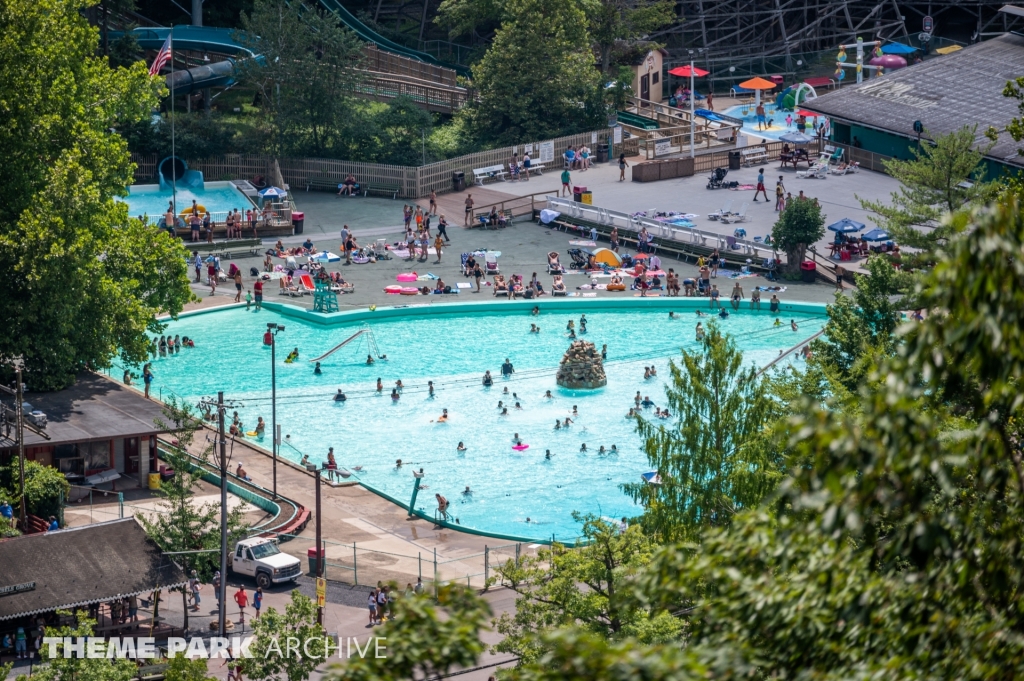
(173, 171)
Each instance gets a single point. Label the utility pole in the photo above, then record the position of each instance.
(220, 447)
(20, 432)
(270, 338)
(320, 557)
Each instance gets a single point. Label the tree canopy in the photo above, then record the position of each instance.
(82, 282)
(801, 224)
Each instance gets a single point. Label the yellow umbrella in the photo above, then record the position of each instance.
(757, 84)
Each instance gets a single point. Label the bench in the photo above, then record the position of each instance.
(493, 172)
(381, 189)
(822, 81)
(537, 168)
(481, 219)
(226, 249)
(753, 155)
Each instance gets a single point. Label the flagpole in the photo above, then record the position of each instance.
(174, 169)
(693, 96)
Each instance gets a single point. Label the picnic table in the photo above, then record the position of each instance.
(794, 158)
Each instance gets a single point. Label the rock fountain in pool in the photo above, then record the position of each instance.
(581, 367)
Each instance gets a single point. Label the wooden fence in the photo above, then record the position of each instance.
(441, 99)
(413, 182)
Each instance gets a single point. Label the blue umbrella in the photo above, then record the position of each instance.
(846, 226)
(796, 138)
(876, 235)
(273, 191)
(898, 48)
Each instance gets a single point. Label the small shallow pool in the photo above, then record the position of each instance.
(453, 350)
(775, 116)
(217, 197)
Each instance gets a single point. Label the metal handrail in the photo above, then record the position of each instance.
(787, 353)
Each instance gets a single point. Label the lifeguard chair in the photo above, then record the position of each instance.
(324, 299)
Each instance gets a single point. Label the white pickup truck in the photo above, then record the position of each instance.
(260, 558)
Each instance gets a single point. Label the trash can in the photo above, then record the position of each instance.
(458, 181)
(297, 221)
(311, 557)
(807, 271)
(154, 481)
(602, 153)
(734, 160)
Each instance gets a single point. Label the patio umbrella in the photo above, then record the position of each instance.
(273, 192)
(898, 48)
(758, 84)
(808, 114)
(846, 226)
(796, 138)
(688, 71)
(876, 235)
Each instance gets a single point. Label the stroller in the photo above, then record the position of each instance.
(580, 258)
(717, 178)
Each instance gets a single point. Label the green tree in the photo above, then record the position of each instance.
(424, 640)
(75, 668)
(616, 21)
(180, 523)
(799, 226)
(305, 79)
(580, 587)
(861, 329)
(538, 79)
(716, 458)
(64, 306)
(46, 488)
(944, 176)
(404, 130)
(181, 668)
(270, 631)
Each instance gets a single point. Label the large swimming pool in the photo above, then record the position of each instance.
(453, 350)
(775, 116)
(216, 197)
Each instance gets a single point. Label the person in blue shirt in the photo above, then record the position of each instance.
(760, 186)
(5, 510)
(54, 525)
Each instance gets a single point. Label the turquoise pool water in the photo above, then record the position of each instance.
(453, 350)
(217, 197)
(777, 117)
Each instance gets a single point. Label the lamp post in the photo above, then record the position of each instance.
(269, 338)
(320, 557)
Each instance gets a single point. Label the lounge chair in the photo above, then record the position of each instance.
(558, 286)
(741, 216)
(554, 267)
(288, 290)
(491, 267)
(500, 286)
(817, 171)
(721, 212)
(306, 283)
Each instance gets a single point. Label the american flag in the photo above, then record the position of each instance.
(162, 57)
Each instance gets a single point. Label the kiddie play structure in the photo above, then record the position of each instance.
(879, 62)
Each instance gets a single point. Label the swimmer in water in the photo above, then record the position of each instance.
(567, 421)
(293, 355)
(488, 380)
(514, 396)
(394, 395)
(369, 360)
(535, 311)
(558, 424)
(430, 388)
(548, 395)
(528, 520)
(637, 398)
(570, 326)
(398, 385)
(518, 406)
(574, 412)
(305, 460)
(583, 447)
(654, 372)
(778, 322)
(340, 397)
(504, 411)
(631, 414)
(614, 449)
(672, 315)
(467, 492)
(699, 331)
(516, 440)
(792, 325)
(701, 314)
(600, 450)
(398, 463)
(647, 373)
(380, 385)
(572, 333)
(316, 369)
(547, 454)
(443, 418)
(500, 405)
(533, 328)
(461, 447)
